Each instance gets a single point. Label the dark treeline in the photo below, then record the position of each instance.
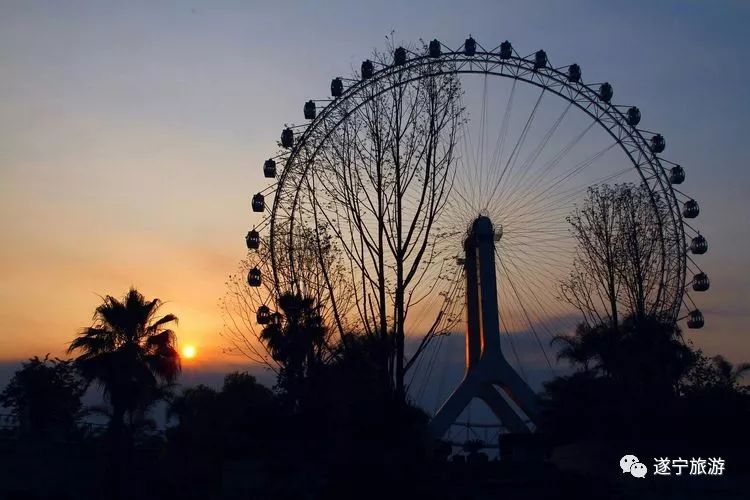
(330, 428)
(643, 382)
(327, 428)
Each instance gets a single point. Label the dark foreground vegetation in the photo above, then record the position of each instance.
(332, 429)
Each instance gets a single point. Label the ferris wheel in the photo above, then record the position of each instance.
(382, 180)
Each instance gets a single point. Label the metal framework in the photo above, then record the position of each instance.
(302, 145)
(586, 98)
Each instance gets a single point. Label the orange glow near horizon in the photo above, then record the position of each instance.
(132, 139)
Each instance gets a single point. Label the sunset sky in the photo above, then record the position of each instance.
(132, 135)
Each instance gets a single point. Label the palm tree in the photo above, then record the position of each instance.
(296, 339)
(594, 348)
(577, 348)
(130, 352)
(729, 375)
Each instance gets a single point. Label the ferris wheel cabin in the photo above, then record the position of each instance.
(676, 175)
(470, 47)
(269, 169)
(695, 319)
(287, 138)
(337, 87)
(574, 73)
(252, 239)
(701, 282)
(259, 203)
(310, 110)
(633, 116)
(690, 209)
(253, 277)
(434, 49)
(658, 143)
(699, 245)
(263, 315)
(506, 50)
(367, 69)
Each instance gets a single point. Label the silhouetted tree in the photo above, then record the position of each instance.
(296, 338)
(239, 421)
(618, 266)
(45, 397)
(639, 217)
(729, 375)
(714, 402)
(139, 425)
(224, 420)
(580, 348)
(360, 421)
(380, 184)
(130, 352)
(582, 405)
(637, 369)
(243, 399)
(593, 286)
(313, 275)
(632, 355)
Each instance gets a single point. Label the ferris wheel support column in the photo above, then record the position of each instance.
(473, 336)
(514, 404)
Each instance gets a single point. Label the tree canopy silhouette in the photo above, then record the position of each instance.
(128, 351)
(45, 397)
(727, 374)
(296, 337)
(618, 266)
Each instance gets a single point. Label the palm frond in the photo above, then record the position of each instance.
(169, 318)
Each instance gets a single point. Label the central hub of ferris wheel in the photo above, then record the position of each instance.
(488, 374)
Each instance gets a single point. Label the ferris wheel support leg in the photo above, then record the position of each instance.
(492, 362)
(452, 408)
(473, 334)
(518, 390)
(502, 410)
(486, 367)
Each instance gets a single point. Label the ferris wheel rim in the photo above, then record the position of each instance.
(522, 69)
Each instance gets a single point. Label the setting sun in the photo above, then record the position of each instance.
(189, 352)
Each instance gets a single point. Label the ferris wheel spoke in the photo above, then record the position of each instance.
(556, 205)
(512, 159)
(547, 168)
(467, 181)
(497, 155)
(523, 200)
(553, 275)
(525, 313)
(524, 262)
(550, 267)
(482, 133)
(562, 203)
(518, 365)
(513, 184)
(545, 310)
